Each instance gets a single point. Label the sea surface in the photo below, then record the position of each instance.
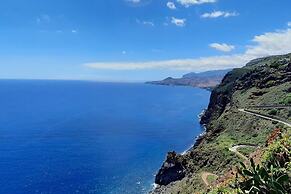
(66, 137)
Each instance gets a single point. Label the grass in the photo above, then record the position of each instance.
(282, 144)
(211, 179)
(246, 151)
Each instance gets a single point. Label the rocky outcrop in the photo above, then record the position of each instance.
(172, 170)
(221, 96)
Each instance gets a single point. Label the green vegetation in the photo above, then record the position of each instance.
(279, 151)
(246, 151)
(286, 100)
(211, 179)
(232, 76)
(273, 112)
(261, 179)
(222, 190)
(262, 82)
(273, 175)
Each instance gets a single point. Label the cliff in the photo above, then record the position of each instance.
(264, 82)
(208, 79)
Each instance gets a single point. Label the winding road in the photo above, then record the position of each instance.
(265, 117)
(270, 106)
(234, 148)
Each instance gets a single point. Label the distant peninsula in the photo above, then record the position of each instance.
(207, 79)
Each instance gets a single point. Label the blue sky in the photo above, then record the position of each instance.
(137, 40)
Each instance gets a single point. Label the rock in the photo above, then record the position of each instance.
(172, 170)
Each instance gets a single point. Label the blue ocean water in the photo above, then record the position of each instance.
(59, 137)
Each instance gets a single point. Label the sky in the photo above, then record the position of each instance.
(137, 40)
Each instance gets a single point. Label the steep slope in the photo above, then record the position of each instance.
(264, 82)
(208, 79)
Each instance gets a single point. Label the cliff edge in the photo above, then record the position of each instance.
(264, 82)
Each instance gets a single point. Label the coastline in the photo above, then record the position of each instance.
(197, 141)
(200, 136)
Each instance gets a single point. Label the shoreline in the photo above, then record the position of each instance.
(197, 140)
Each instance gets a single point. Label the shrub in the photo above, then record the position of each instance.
(278, 153)
(260, 179)
(272, 175)
(286, 100)
(273, 112)
(275, 65)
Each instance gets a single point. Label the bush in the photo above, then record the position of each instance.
(275, 65)
(273, 112)
(278, 153)
(270, 177)
(286, 100)
(261, 179)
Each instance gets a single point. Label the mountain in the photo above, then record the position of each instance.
(208, 79)
(246, 109)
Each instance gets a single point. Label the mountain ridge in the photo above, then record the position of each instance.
(207, 79)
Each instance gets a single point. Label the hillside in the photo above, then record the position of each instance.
(208, 79)
(244, 109)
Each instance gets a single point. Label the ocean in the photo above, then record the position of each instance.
(66, 137)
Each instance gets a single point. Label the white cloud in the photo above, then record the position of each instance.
(222, 47)
(217, 14)
(289, 24)
(148, 23)
(134, 1)
(271, 43)
(178, 22)
(188, 3)
(171, 5)
(199, 64)
(74, 31)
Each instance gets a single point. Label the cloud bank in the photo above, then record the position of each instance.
(271, 43)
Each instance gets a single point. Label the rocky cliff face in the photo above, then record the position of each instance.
(172, 170)
(260, 73)
(261, 82)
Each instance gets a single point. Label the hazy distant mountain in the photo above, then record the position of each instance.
(207, 79)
